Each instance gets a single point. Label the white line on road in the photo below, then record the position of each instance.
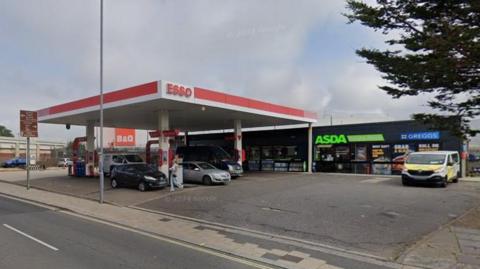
(31, 237)
(376, 180)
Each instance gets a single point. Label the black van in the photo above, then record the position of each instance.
(214, 155)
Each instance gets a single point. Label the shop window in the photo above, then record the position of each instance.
(324, 153)
(253, 153)
(267, 165)
(361, 154)
(266, 152)
(400, 152)
(342, 159)
(324, 158)
(342, 154)
(381, 157)
(253, 157)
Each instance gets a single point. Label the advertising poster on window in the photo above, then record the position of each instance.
(400, 152)
(381, 153)
(428, 147)
(360, 165)
(381, 158)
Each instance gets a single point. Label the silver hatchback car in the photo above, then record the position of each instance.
(205, 173)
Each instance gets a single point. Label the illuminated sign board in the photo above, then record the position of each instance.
(366, 138)
(124, 137)
(329, 139)
(420, 136)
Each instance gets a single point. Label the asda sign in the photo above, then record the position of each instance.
(330, 139)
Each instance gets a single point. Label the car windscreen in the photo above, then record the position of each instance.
(141, 167)
(133, 158)
(220, 154)
(426, 159)
(206, 166)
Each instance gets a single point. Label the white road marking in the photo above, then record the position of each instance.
(376, 180)
(31, 237)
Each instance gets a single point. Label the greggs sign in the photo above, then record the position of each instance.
(178, 90)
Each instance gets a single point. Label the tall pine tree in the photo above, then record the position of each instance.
(433, 48)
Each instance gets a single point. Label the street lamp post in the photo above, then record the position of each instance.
(100, 164)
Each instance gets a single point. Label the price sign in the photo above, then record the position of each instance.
(28, 123)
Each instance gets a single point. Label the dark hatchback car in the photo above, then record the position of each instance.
(140, 176)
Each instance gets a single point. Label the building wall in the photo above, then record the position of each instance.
(285, 138)
(391, 131)
(11, 147)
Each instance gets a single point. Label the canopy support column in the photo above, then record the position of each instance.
(163, 143)
(90, 148)
(237, 132)
(310, 149)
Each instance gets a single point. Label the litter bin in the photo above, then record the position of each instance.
(70, 170)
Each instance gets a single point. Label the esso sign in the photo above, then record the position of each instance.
(178, 90)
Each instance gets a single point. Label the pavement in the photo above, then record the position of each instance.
(456, 245)
(38, 237)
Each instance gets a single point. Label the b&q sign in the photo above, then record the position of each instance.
(124, 137)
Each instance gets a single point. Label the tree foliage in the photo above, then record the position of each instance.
(433, 48)
(4, 131)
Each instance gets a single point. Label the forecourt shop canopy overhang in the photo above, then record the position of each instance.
(190, 109)
(164, 105)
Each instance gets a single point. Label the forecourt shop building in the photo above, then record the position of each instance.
(168, 108)
(369, 148)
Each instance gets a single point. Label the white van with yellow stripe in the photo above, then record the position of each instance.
(439, 167)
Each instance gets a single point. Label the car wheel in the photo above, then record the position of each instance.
(207, 180)
(142, 187)
(444, 182)
(405, 182)
(114, 183)
(455, 180)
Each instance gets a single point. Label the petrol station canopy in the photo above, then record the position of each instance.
(189, 109)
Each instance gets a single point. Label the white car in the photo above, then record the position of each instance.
(205, 173)
(112, 159)
(64, 162)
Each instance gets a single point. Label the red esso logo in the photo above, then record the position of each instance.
(178, 90)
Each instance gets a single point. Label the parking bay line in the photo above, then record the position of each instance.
(376, 180)
(31, 237)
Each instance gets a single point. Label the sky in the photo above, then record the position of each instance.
(299, 53)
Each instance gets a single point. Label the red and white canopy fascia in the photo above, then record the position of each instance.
(190, 109)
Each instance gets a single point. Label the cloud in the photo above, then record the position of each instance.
(298, 53)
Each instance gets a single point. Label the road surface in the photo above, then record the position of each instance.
(36, 237)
